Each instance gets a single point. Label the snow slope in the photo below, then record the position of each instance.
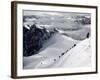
(51, 56)
(79, 56)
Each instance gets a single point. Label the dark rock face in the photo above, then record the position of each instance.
(33, 39)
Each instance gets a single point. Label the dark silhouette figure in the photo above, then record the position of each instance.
(62, 54)
(88, 35)
(74, 45)
(59, 56)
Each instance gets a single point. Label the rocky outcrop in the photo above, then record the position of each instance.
(33, 39)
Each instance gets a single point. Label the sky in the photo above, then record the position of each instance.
(49, 13)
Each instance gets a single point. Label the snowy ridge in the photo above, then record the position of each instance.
(51, 52)
(76, 57)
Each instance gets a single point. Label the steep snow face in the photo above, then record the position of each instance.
(51, 52)
(79, 56)
(57, 45)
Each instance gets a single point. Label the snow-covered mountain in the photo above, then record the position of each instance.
(79, 56)
(33, 39)
(52, 50)
(55, 41)
(61, 51)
